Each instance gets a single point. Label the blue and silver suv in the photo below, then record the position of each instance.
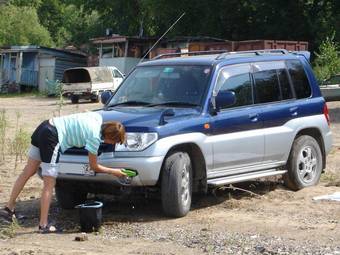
(209, 120)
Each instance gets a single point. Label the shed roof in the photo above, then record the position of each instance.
(36, 48)
(115, 38)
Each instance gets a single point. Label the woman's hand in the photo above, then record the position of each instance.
(118, 172)
(103, 169)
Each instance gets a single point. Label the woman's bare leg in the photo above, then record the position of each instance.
(46, 197)
(30, 169)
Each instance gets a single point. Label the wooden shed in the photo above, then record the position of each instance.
(34, 66)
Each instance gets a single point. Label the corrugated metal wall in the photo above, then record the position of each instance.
(29, 72)
(63, 63)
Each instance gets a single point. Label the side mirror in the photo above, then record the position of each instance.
(105, 96)
(225, 98)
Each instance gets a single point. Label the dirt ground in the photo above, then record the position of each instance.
(274, 221)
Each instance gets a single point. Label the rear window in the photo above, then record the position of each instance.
(286, 89)
(299, 79)
(266, 86)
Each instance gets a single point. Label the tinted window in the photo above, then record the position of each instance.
(266, 86)
(241, 85)
(286, 89)
(163, 84)
(299, 79)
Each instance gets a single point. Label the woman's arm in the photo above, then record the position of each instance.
(103, 169)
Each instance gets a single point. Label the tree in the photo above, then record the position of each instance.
(51, 16)
(20, 26)
(27, 3)
(327, 62)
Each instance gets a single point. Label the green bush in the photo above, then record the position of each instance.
(327, 62)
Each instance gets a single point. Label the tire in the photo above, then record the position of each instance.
(304, 163)
(69, 195)
(176, 184)
(94, 99)
(74, 99)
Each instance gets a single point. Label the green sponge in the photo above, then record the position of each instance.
(129, 172)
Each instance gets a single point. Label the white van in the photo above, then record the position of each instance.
(89, 82)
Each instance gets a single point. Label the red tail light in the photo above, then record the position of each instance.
(325, 112)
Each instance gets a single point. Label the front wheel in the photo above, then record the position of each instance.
(304, 163)
(176, 189)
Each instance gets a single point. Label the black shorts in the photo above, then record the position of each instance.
(45, 137)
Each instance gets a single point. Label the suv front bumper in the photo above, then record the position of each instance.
(76, 168)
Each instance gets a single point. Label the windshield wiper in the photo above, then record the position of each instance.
(129, 103)
(173, 103)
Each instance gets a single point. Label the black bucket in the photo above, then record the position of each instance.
(90, 216)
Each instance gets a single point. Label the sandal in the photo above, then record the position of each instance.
(49, 229)
(7, 214)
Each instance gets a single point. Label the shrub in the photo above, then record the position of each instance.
(327, 62)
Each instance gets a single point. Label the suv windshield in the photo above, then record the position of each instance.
(160, 85)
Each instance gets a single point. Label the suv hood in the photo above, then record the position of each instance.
(147, 119)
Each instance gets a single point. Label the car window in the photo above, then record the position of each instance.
(237, 79)
(266, 86)
(286, 89)
(299, 79)
(161, 84)
(241, 86)
(116, 74)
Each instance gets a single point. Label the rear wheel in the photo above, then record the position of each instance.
(176, 187)
(74, 99)
(69, 195)
(94, 99)
(304, 163)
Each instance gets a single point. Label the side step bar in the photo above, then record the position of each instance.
(244, 177)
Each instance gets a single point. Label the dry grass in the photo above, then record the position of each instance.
(8, 230)
(3, 127)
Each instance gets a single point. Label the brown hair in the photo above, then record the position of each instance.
(114, 130)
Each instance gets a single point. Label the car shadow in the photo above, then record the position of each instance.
(137, 208)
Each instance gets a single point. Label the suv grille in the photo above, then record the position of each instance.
(81, 151)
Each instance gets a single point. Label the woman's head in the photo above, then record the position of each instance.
(113, 132)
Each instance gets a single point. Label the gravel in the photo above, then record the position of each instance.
(213, 242)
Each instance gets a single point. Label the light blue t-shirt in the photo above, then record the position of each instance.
(79, 130)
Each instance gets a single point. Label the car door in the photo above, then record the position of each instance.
(237, 142)
(274, 93)
(117, 78)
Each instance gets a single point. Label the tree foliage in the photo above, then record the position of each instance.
(74, 21)
(20, 26)
(327, 62)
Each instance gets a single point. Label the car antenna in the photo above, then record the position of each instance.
(161, 37)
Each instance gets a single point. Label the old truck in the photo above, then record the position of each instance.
(89, 82)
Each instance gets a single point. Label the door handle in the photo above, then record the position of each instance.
(253, 117)
(293, 111)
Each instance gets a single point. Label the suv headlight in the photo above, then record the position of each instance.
(137, 141)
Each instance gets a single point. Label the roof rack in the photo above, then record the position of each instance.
(190, 53)
(255, 52)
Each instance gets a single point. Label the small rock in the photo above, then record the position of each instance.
(260, 249)
(81, 238)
